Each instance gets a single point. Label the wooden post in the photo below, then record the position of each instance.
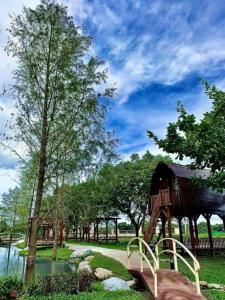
(207, 217)
(223, 219)
(116, 230)
(170, 235)
(97, 231)
(191, 229)
(180, 229)
(106, 229)
(196, 226)
(164, 231)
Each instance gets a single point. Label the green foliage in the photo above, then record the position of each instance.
(9, 285)
(69, 283)
(125, 186)
(101, 261)
(202, 141)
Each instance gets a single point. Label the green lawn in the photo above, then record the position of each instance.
(62, 253)
(212, 271)
(101, 261)
(121, 245)
(96, 295)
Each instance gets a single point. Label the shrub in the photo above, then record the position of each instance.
(68, 283)
(10, 287)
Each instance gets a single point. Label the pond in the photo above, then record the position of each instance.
(13, 264)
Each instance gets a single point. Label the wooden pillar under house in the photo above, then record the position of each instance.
(208, 217)
(163, 219)
(195, 218)
(191, 230)
(222, 217)
(180, 229)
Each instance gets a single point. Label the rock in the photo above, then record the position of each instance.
(214, 286)
(81, 253)
(84, 267)
(89, 258)
(131, 283)
(87, 252)
(76, 254)
(101, 273)
(114, 283)
(83, 263)
(203, 283)
(74, 261)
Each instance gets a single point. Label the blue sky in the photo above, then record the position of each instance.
(155, 52)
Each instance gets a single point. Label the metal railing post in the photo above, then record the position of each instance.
(140, 250)
(175, 256)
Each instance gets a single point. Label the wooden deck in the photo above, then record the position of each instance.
(171, 285)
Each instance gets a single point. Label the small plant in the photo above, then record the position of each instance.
(68, 283)
(10, 287)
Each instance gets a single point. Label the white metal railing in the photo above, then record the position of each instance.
(141, 252)
(194, 269)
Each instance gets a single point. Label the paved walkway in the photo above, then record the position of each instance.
(119, 255)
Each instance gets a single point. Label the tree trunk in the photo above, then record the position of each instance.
(55, 244)
(137, 230)
(30, 266)
(35, 220)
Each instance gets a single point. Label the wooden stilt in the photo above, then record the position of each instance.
(191, 229)
(195, 218)
(207, 217)
(163, 219)
(223, 219)
(170, 235)
(180, 229)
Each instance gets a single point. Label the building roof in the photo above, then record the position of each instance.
(184, 171)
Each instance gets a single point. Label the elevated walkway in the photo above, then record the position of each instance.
(164, 284)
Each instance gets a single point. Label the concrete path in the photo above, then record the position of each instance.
(119, 255)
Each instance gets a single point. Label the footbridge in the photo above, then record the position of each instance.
(164, 284)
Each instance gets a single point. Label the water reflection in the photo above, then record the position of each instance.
(13, 264)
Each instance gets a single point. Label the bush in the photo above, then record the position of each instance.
(10, 287)
(69, 283)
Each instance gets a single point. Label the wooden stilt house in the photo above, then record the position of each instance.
(173, 194)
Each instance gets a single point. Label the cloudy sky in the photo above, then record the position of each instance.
(155, 52)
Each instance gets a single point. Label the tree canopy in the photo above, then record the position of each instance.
(200, 140)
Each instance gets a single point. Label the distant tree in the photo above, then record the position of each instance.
(202, 141)
(125, 186)
(57, 101)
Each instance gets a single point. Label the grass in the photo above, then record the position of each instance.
(214, 295)
(62, 253)
(21, 245)
(101, 261)
(121, 245)
(212, 271)
(95, 295)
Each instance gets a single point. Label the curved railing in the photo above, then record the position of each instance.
(141, 251)
(194, 269)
